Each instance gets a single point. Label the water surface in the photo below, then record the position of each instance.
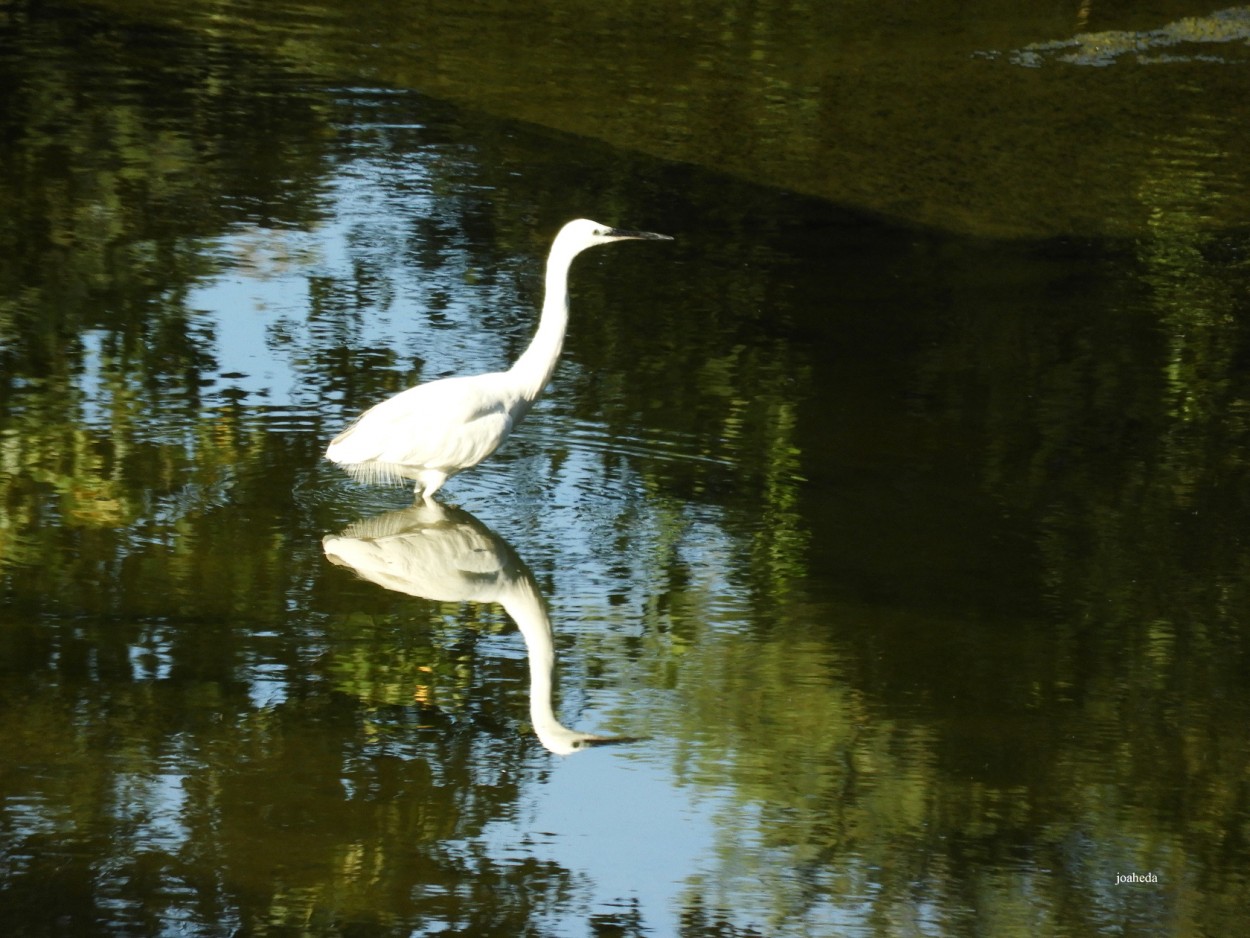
(914, 563)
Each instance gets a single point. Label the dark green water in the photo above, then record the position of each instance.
(916, 565)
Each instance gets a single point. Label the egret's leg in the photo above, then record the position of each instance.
(430, 481)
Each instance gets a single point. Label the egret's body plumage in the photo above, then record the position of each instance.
(431, 432)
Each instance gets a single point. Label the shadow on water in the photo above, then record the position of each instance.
(1071, 119)
(446, 555)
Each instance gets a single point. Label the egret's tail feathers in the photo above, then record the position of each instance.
(379, 473)
(344, 434)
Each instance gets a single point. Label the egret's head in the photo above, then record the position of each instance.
(583, 233)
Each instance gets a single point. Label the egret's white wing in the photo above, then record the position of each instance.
(449, 424)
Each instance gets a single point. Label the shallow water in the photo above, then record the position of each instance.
(914, 565)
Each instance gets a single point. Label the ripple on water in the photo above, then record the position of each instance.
(575, 434)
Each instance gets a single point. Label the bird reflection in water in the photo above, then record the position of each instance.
(447, 555)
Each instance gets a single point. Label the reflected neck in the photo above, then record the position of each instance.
(526, 608)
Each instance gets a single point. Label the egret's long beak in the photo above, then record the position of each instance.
(637, 235)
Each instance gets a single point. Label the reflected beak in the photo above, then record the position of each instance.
(613, 740)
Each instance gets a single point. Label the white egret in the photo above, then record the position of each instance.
(430, 432)
(447, 555)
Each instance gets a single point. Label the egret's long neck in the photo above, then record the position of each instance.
(534, 368)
